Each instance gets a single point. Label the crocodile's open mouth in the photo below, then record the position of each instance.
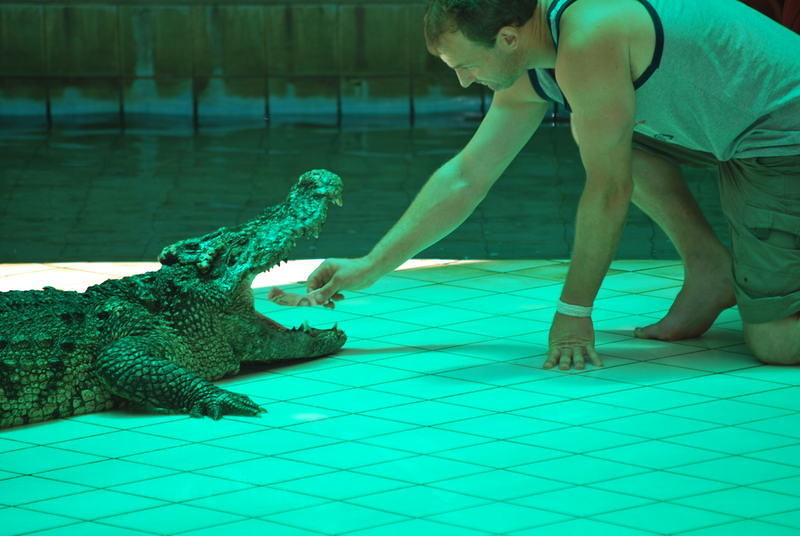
(304, 327)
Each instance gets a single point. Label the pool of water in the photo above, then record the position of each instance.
(99, 195)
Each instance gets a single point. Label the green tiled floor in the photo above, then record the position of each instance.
(437, 419)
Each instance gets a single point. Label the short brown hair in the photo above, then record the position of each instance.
(478, 20)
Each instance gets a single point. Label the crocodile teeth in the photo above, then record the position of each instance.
(305, 327)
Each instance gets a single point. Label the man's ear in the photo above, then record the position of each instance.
(508, 37)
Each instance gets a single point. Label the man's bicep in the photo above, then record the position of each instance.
(501, 135)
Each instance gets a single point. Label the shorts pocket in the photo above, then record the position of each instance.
(778, 229)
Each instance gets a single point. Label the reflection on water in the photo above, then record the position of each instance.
(108, 195)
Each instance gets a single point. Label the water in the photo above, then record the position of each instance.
(109, 195)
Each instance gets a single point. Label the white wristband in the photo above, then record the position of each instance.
(573, 310)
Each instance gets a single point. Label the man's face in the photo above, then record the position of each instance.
(497, 68)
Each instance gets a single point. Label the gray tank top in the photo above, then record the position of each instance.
(724, 79)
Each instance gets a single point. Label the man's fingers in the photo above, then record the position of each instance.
(552, 358)
(594, 357)
(578, 358)
(566, 357)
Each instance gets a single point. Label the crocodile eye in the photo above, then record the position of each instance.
(68, 347)
(102, 315)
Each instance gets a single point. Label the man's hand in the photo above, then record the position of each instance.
(335, 275)
(571, 341)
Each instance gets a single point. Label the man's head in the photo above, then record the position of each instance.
(480, 39)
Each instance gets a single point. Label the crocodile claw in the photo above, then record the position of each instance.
(223, 402)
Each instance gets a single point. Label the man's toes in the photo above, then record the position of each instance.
(655, 331)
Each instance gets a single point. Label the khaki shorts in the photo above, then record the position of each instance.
(761, 201)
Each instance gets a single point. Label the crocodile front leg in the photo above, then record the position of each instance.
(134, 371)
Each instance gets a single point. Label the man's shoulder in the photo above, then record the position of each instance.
(589, 21)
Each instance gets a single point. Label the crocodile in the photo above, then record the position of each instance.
(159, 339)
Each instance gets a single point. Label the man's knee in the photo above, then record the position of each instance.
(775, 343)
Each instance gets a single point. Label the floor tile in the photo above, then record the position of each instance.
(739, 470)
(195, 455)
(22, 521)
(501, 426)
(649, 399)
(282, 388)
(33, 460)
(123, 443)
(500, 518)
(107, 473)
(501, 399)
(581, 527)
(341, 485)
(742, 502)
(336, 518)
(434, 338)
(425, 440)
(789, 455)
(426, 413)
(665, 517)
(181, 487)
(789, 518)
(263, 471)
(722, 386)
(171, 519)
(26, 489)
(418, 501)
(734, 440)
(649, 373)
(418, 527)
(246, 446)
(499, 485)
(573, 386)
(578, 469)
(505, 304)
(502, 373)
(348, 454)
(422, 469)
(360, 374)
(95, 504)
(500, 454)
(744, 528)
(581, 501)
(500, 326)
(430, 387)
(652, 425)
(249, 527)
(662, 485)
(257, 501)
(788, 425)
(579, 440)
(356, 400)
(435, 315)
(790, 486)
(657, 454)
(431, 362)
(717, 360)
(353, 427)
(730, 412)
(86, 528)
(576, 412)
(54, 432)
(784, 398)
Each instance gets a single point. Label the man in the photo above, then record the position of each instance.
(652, 84)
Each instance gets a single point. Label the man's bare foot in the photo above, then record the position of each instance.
(699, 303)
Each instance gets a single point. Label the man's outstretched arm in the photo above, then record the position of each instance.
(446, 200)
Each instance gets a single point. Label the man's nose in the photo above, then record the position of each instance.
(465, 78)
